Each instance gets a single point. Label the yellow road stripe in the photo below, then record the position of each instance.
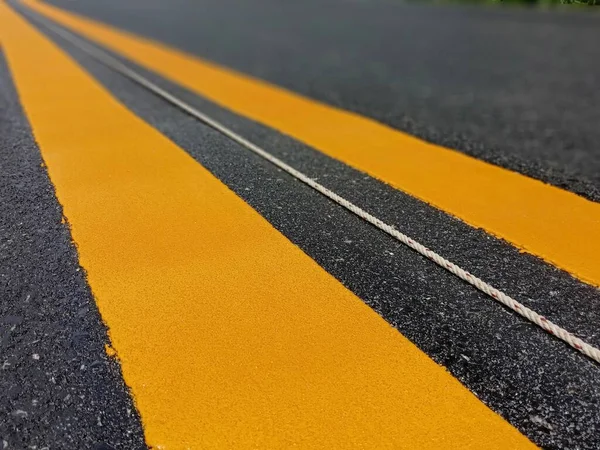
(229, 335)
(556, 225)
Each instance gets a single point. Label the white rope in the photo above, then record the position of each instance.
(585, 348)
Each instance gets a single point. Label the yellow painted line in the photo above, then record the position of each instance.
(228, 334)
(556, 225)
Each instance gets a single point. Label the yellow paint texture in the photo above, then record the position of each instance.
(229, 336)
(558, 226)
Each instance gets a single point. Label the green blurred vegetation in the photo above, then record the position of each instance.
(551, 2)
(529, 2)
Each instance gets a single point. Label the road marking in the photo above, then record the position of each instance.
(228, 334)
(548, 326)
(556, 225)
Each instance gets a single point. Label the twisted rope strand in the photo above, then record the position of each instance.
(532, 316)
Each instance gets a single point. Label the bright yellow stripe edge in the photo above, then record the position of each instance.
(556, 225)
(229, 336)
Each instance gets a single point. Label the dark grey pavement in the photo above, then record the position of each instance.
(515, 87)
(511, 365)
(58, 388)
(543, 387)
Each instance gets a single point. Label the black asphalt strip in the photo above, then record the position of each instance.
(543, 387)
(59, 389)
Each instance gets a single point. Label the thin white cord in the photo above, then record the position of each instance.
(585, 348)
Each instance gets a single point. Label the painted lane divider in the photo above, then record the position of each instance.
(553, 224)
(228, 334)
(517, 307)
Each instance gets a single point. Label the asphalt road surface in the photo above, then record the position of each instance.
(162, 286)
(517, 88)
